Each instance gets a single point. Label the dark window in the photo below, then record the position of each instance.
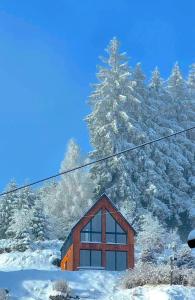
(121, 260)
(110, 223)
(92, 232)
(121, 238)
(110, 238)
(110, 260)
(114, 232)
(84, 258)
(96, 258)
(90, 258)
(96, 237)
(116, 260)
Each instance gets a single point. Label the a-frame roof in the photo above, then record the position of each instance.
(104, 196)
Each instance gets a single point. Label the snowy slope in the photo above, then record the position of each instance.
(39, 257)
(37, 284)
(161, 292)
(29, 276)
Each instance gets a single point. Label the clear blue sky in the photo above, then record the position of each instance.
(48, 56)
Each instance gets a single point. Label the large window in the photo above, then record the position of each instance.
(92, 232)
(90, 258)
(114, 233)
(116, 260)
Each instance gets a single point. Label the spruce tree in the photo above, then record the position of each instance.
(8, 205)
(114, 125)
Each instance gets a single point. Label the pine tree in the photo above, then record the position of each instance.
(139, 78)
(177, 88)
(20, 229)
(8, 205)
(114, 126)
(191, 81)
(20, 222)
(38, 220)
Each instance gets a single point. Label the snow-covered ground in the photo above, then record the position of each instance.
(29, 276)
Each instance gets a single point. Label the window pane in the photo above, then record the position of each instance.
(121, 238)
(85, 236)
(87, 227)
(97, 222)
(110, 223)
(110, 238)
(110, 260)
(84, 258)
(119, 229)
(96, 258)
(121, 260)
(96, 237)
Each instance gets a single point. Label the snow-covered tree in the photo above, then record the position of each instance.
(191, 80)
(39, 224)
(152, 235)
(65, 201)
(114, 126)
(20, 229)
(139, 78)
(8, 204)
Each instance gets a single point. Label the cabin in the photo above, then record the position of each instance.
(101, 239)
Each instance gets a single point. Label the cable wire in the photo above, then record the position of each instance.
(97, 161)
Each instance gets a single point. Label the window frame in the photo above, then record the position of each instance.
(91, 231)
(115, 233)
(115, 259)
(90, 258)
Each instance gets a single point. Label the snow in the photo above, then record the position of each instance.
(191, 235)
(39, 257)
(162, 292)
(29, 276)
(37, 284)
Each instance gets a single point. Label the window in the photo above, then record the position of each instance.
(116, 260)
(92, 232)
(114, 233)
(90, 258)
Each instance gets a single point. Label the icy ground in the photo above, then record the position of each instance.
(29, 276)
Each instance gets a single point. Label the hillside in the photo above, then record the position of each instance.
(29, 276)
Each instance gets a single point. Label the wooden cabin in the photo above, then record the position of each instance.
(101, 239)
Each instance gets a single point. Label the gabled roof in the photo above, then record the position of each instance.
(69, 237)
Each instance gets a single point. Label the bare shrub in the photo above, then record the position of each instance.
(61, 286)
(61, 290)
(148, 273)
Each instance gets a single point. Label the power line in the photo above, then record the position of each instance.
(97, 161)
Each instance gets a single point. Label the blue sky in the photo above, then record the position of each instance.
(48, 56)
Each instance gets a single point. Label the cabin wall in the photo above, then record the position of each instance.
(67, 261)
(105, 205)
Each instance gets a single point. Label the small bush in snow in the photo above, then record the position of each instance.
(61, 290)
(184, 258)
(148, 273)
(55, 261)
(4, 294)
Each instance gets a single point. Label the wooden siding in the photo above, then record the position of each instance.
(129, 247)
(67, 261)
(72, 258)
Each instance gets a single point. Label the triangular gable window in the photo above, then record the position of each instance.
(114, 232)
(92, 232)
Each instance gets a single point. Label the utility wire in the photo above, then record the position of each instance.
(97, 161)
